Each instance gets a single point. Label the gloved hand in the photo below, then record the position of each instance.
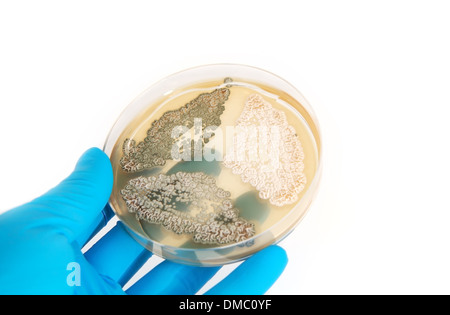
(41, 241)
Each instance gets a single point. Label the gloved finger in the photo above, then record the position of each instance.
(99, 223)
(117, 255)
(73, 206)
(255, 275)
(172, 278)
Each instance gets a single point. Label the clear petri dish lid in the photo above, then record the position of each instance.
(214, 163)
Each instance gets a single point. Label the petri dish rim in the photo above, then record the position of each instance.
(252, 74)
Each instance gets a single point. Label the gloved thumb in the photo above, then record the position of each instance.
(77, 201)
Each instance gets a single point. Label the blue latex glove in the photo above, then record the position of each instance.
(41, 241)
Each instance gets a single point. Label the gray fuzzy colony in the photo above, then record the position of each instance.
(156, 148)
(209, 213)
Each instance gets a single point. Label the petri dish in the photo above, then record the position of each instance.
(214, 163)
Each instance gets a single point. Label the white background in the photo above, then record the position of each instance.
(376, 72)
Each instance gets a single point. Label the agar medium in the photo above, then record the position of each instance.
(214, 163)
